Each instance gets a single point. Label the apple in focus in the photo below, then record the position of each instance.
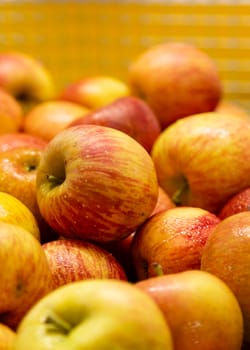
(25, 275)
(95, 91)
(171, 241)
(226, 255)
(128, 114)
(204, 159)
(95, 314)
(72, 260)
(95, 183)
(176, 79)
(13, 140)
(200, 309)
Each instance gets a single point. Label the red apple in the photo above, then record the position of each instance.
(48, 118)
(236, 204)
(204, 159)
(176, 80)
(226, 255)
(95, 183)
(128, 114)
(11, 113)
(171, 241)
(95, 91)
(73, 260)
(25, 77)
(201, 310)
(164, 202)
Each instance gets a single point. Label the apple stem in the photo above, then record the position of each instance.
(55, 180)
(158, 269)
(177, 196)
(56, 323)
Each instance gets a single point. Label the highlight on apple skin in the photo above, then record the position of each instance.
(96, 183)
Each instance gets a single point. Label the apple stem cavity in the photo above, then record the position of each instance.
(54, 180)
(177, 197)
(158, 269)
(57, 324)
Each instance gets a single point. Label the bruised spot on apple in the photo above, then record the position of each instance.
(95, 182)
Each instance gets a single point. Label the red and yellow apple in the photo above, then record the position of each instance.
(95, 183)
(128, 114)
(48, 118)
(201, 310)
(171, 241)
(204, 159)
(236, 204)
(73, 260)
(95, 91)
(231, 107)
(226, 255)
(11, 113)
(176, 79)
(13, 140)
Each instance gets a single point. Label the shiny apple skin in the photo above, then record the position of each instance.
(96, 183)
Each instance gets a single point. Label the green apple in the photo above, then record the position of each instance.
(201, 310)
(95, 314)
(226, 255)
(25, 276)
(171, 241)
(204, 159)
(95, 91)
(176, 79)
(74, 259)
(95, 183)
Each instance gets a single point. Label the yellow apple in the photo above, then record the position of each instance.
(95, 91)
(47, 119)
(7, 337)
(11, 113)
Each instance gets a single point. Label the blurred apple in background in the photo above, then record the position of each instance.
(95, 314)
(26, 78)
(204, 159)
(236, 204)
(128, 114)
(11, 113)
(95, 183)
(176, 79)
(171, 241)
(25, 274)
(226, 106)
(200, 309)
(13, 140)
(226, 255)
(164, 202)
(73, 260)
(13, 211)
(7, 337)
(95, 91)
(47, 119)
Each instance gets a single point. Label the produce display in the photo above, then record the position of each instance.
(124, 207)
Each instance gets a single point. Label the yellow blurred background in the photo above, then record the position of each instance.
(81, 38)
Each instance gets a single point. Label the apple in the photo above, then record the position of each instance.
(226, 255)
(231, 107)
(176, 79)
(25, 77)
(200, 309)
(95, 314)
(95, 183)
(25, 275)
(74, 259)
(236, 204)
(128, 114)
(13, 211)
(204, 159)
(7, 337)
(95, 91)
(171, 241)
(11, 113)
(164, 202)
(46, 119)
(13, 140)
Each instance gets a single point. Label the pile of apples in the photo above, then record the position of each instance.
(124, 207)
